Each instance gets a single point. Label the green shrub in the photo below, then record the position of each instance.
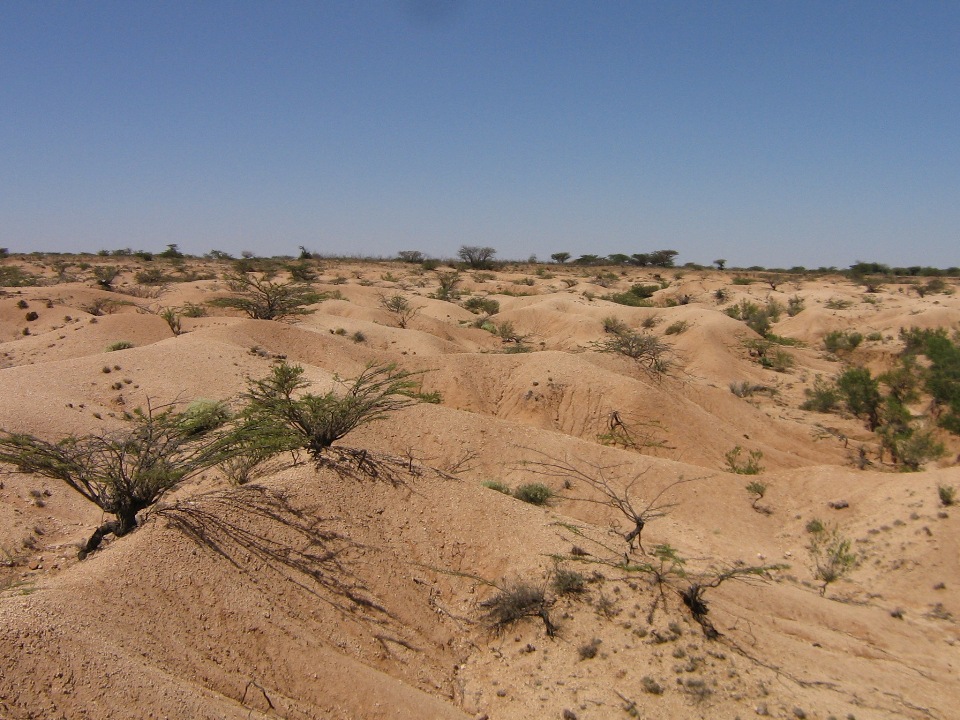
(498, 486)
(749, 466)
(119, 345)
(613, 325)
(861, 394)
(482, 305)
(263, 299)
(822, 397)
(676, 328)
(947, 494)
(795, 305)
(277, 409)
(124, 472)
(534, 493)
(842, 340)
(831, 555)
(815, 526)
(838, 304)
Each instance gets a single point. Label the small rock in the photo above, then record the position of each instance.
(35, 565)
(838, 504)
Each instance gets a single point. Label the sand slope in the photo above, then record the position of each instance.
(324, 592)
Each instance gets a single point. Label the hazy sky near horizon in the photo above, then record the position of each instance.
(772, 133)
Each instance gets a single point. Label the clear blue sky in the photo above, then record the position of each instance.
(772, 133)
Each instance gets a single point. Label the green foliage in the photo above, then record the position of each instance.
(152, 276)
(126, 471)
(795, 305)
(534, 493)
(263, 299)
(837, 304)
(757, 489)
(410, 256)
(119, 345)
(278, 409)
(105, 275)
(815, 526)
(915, 446)
(193, 310)
(302, 271)
(941, 379)
(560, 257)
(742, 280)
(779, 360)
(203, 416)
(401, 308)
(172, 319)
(842, 340)
(647, 350)
(482, 305)
(748, 466)
(831, 554)
(447, 289)
(756, 317)
(676, 328)
(498, 486)
(947, 494)
(613, 325)
(822, 397)
(861, 394)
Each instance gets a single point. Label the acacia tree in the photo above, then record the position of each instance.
(263, 299)
(278, 408)
(476, 256)
(128, 470)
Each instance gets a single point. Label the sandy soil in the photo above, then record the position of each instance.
(323, 592)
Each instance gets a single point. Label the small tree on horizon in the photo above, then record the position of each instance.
(560, 257)
(480, 258)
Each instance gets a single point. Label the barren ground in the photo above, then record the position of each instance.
(313, 593)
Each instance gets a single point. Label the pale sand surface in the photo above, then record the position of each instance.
(313, 594)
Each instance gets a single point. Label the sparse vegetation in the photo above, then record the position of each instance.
(647, 350)
(947, 495)
(286, 417)
(831, 553)
(756, 490)
(401, 309)
(744, 466)
(517, 601)
(263, 299)
(126, 471)
(534, 493)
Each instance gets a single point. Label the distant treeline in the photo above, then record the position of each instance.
(485, 257)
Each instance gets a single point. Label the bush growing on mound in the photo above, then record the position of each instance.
(280, 412)
(263, 299)
(534, 493)
(127, 471)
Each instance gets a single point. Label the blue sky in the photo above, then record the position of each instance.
(771, 133)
